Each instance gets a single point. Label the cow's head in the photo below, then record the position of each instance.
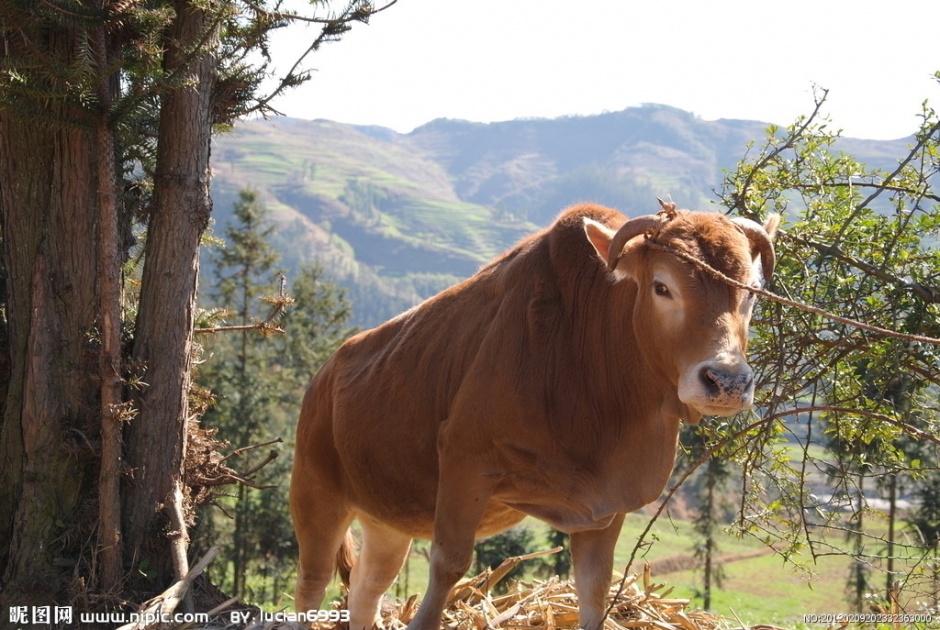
(689, 326)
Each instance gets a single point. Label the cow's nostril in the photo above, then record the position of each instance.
(717, 382)
(710, 379)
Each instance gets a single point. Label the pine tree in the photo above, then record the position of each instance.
(245, 272)
(106, 111)
(709, 484)
(258, 380)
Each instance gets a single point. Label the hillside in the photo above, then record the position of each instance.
(398, 217)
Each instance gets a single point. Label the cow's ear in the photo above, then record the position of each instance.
(600, 237)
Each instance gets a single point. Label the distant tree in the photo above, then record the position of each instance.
(560, 563)
(852, 465)
(490, 552)
(710, 499)
(244, 273)
(925, 521)
(317, 324)
(258, 380)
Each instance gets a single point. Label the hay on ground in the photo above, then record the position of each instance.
(635, 603)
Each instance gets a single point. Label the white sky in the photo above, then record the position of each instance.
(489, 60)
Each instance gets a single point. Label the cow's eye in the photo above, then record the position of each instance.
(661, 290)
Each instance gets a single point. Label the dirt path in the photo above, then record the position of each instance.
(686, 562)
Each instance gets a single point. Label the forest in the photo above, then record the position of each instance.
(148, 411)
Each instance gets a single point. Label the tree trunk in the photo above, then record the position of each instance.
(859, 577)
(48, 211)
(156, 438)
(709, 536)
(890, 594)
(110, 301)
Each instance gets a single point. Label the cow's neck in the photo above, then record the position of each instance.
(642, 404)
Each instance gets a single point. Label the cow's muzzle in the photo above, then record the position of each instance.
(718, 388)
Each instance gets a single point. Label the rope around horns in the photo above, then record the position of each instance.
(788, 302)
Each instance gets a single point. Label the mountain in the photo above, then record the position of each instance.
(398, 217)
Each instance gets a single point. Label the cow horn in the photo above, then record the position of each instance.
(760, 241)
(629, 230)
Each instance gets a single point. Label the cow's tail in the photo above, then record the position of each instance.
(345, 558)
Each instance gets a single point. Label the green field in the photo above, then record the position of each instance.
(756, 590)
(758, 587)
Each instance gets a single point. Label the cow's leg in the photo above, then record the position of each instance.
(382, 556)
(320, 523)
(460, 506)
(592, 553)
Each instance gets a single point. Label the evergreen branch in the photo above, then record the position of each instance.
(280, 304)
(359, 15)
(63, 11)
(332, 30)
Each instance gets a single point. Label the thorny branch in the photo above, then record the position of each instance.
(927, 294)
(880, 185)
(921, 142)
(764, 421)
(739, 199)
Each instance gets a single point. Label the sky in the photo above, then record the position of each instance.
(494, 60)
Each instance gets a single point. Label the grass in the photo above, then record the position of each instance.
(760, 589)
(766, 590)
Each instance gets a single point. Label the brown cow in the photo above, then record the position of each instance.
(551, 383)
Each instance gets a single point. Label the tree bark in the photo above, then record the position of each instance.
(709, 537)
(890, 593)
(47, 209)
(156, 438)
(110, 301)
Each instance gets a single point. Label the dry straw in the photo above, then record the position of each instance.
(554, 604)
(635, 602)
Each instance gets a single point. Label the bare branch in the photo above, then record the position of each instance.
(245, 449)
(333, 28)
